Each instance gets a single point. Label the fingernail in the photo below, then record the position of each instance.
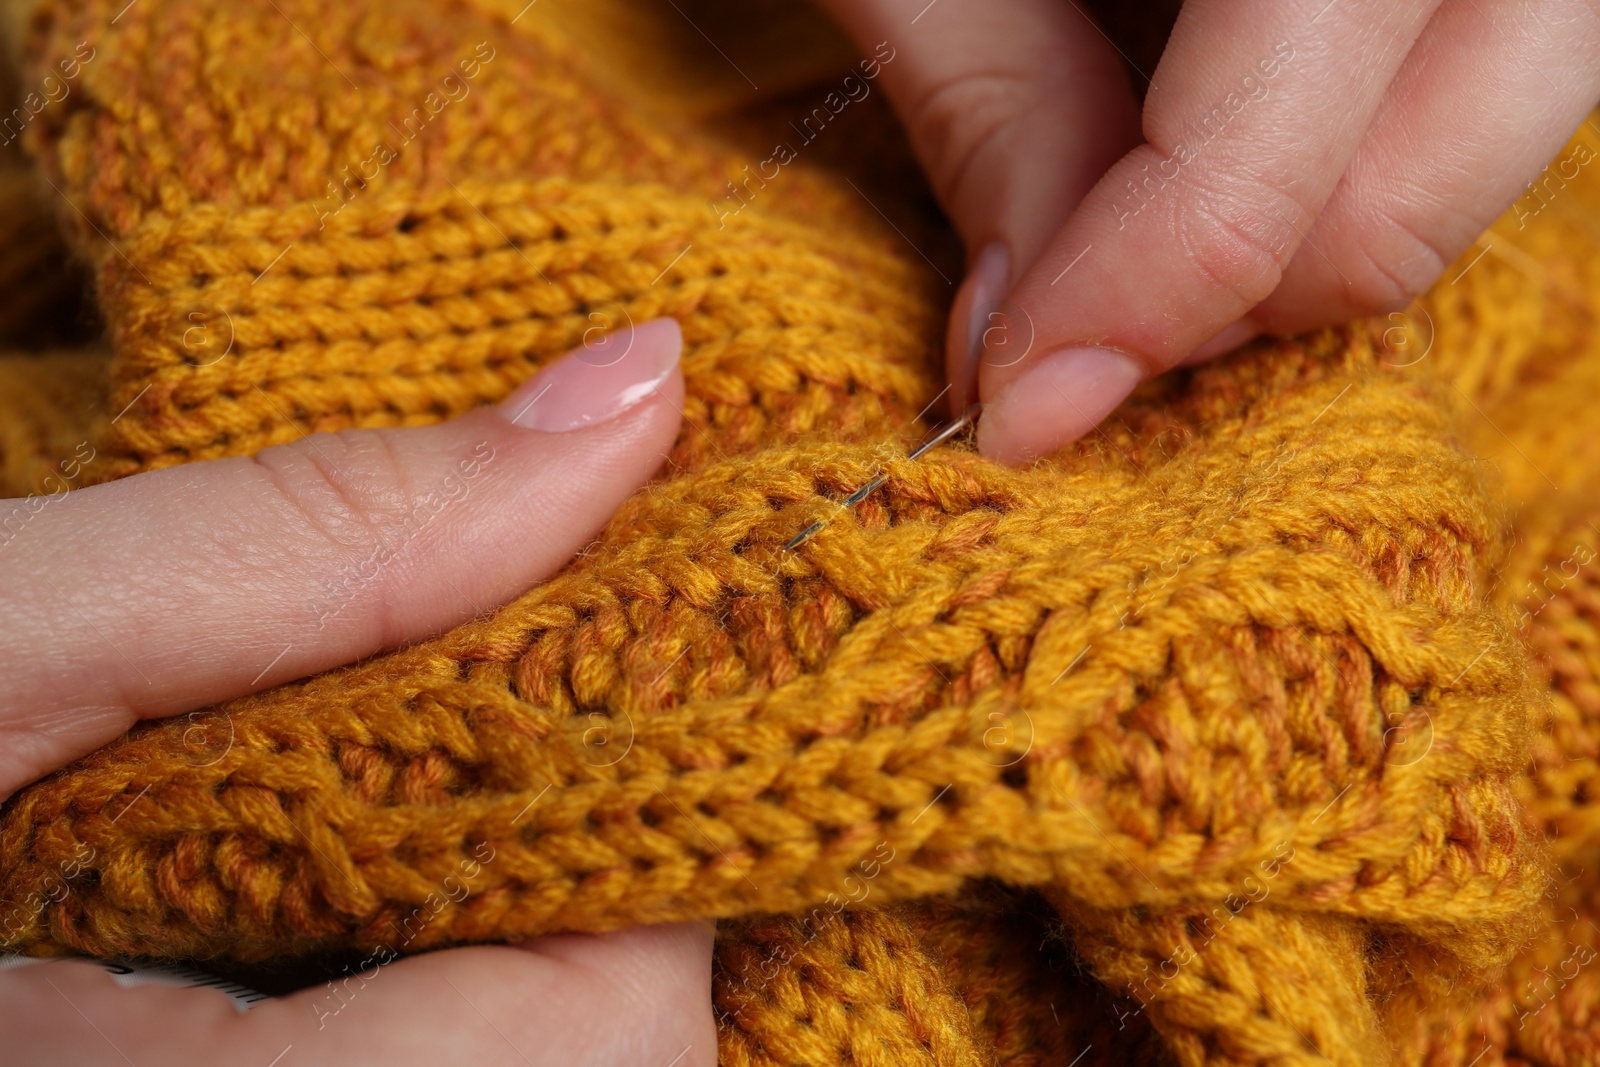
(1230, 338)
(980, 297)
(1063, 397)
(598, 381)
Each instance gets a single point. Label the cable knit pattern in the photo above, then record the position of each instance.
(1226, 735)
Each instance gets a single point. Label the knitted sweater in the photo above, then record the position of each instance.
(1260, 725)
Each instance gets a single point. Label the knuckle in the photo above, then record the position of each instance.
(340, 487)
(1238, 240)
(960, 118)
(1394, 262)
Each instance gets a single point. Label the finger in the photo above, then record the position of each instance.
(180, 587)
(1255, 111)
(1486, 99)
(1015, 109)
(639, 996)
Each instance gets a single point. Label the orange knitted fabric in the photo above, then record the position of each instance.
(1260, 726)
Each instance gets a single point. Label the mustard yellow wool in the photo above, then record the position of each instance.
(1260, 726)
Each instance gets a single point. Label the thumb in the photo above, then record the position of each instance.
(181, 587)
(1015, 108)
(624, 999)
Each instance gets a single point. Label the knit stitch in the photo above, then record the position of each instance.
(1251, 728)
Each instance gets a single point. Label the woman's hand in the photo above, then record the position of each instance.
(1299, 163)
(178, 588)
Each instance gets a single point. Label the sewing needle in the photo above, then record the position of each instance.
(938, 437)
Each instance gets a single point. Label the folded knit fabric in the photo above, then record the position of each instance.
(1261, 725)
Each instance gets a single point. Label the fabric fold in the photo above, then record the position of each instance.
(1233, 703)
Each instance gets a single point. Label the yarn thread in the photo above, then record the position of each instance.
(1139, 726)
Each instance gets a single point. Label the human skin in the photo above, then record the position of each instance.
(174, 589)
(1296, 163)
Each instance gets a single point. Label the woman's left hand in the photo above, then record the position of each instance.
(179, 588)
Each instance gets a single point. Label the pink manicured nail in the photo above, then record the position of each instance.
(979, 298)
(1061, 398)
(599, 381)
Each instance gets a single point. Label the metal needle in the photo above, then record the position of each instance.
(938, 437)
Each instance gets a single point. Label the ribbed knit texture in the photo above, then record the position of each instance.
(1234, 733)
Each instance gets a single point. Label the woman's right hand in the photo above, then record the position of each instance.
(1297, 163)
